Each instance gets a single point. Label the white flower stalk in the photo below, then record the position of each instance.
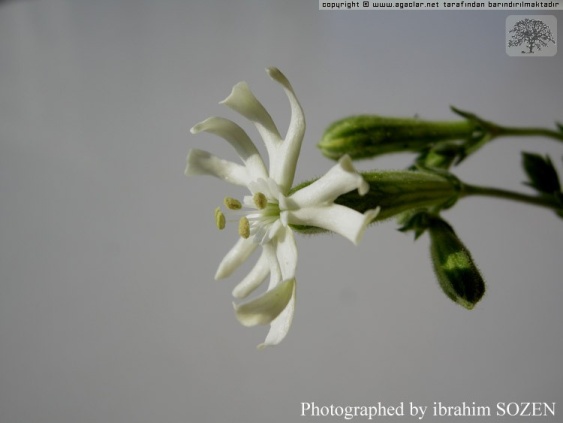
(267, 214)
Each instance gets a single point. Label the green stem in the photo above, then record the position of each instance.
(526, 132)
(468, 190)
(492, 130)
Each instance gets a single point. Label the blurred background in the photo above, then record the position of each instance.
(108, 307)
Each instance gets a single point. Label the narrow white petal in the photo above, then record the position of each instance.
(282, 167)
(286, 253)
(281, 324)
(254, 278)
(273, 230)
(267, 307)
(336, 218)
(201, 162)
(275, 271)
(243, 101)
(235, 257)
(340, 179)
(238, 138)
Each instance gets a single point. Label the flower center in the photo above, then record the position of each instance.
(258, 216)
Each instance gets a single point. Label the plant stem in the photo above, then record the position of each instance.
(526, 132)
(546, 202)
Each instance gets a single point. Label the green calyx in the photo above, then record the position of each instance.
(397, 192)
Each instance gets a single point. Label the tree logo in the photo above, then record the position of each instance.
(531, 35)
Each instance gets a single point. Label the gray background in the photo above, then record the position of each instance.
(108, 307)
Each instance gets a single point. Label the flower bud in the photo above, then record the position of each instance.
(370, 135)
(455, 269)
(441, 156)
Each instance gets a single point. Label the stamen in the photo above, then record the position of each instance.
(260, 200)
(243, 227)
(232, 203)
(219, 219)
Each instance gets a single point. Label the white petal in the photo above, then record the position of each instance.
(244, 102)
(201, 162)
(235, 257)
(240, 141)
(275, 228)
(336, 218)
(286, 253)
(267, 307)
(340, 179)
(275, 271)
(282, 166)
(254, 278)
(267, 186)
(281, 324)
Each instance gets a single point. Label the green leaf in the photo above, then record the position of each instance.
(416, 222)
(541, 173)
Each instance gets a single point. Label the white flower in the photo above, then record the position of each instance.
(268, 213)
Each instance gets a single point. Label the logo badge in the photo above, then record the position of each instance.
(531, 35)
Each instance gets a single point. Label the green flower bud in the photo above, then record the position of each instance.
(455, 269)
(369, 135)
(441, 156)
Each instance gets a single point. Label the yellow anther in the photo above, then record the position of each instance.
(219, 218)
(260, 200)
(243, 227)
(232, 203)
